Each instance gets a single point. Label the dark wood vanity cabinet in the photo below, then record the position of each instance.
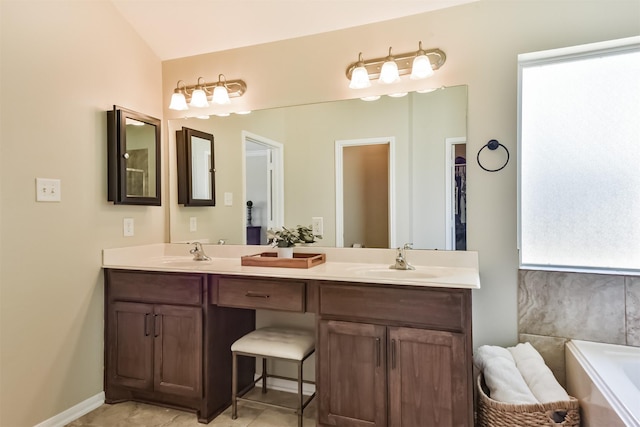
(398, 357)
(156, 348)
(164, 342)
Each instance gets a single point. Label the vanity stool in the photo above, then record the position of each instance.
(293, 345)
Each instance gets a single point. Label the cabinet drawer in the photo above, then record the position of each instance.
(440, 309)
(258, 293)
(152, 287)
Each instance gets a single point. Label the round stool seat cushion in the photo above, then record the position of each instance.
(284, 343)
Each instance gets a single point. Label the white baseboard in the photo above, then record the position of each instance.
(288, 386)
(74, 412)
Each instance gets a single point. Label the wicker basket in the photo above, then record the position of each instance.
(492, 413)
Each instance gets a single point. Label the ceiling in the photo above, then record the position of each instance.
(180, 28)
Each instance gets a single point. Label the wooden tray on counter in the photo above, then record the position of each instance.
(270, 259)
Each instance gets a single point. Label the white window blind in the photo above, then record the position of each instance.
(579, 158)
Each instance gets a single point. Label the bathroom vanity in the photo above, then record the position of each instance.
(391, 350)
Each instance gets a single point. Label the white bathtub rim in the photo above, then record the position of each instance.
(622, 405)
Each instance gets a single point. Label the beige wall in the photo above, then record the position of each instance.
(482, 41)
(64, 63)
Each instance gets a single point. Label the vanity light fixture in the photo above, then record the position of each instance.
(359, 75)
(389, 72)
(179, 97)
(419, 65)
(220, 92)
(197, 95)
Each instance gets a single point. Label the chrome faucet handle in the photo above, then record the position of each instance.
(198, 252)
(401, 261)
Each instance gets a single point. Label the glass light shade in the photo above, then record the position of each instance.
(220, 95)
(398, 94)
(421, 68)
(371, 98)
(428, 90)
(389, 73)
(199, 99)
(359, 78)
(178, 102)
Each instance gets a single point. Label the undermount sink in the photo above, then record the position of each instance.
(389, 273)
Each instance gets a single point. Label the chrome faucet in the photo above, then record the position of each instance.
(198, 252)
(401, 259)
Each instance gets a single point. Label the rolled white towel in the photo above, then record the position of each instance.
(537, 374)
(502, 376)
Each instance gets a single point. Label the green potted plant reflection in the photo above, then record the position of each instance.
(286, 238)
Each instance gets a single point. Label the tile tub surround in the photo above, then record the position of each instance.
(555, 307)
(450, 269)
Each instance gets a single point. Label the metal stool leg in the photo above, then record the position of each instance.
(300, 396)
(234, 387)
(264, 375)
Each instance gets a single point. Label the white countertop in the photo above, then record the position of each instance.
(448, 269)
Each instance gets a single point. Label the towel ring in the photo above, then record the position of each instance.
(492, 145)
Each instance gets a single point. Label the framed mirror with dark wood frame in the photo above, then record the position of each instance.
(196, 173)
(133, 141)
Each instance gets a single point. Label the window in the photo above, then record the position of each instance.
(579, 158)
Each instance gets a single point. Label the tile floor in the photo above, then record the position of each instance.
(249, 415)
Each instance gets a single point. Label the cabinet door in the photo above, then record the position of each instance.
(352, 365)
(130, 345)
(178, 350)
(427, 379)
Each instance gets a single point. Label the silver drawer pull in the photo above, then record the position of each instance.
(256, 295)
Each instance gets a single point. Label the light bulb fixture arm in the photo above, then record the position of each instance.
(202, 86)
(404, 61)
(222, 81)
(184, 88)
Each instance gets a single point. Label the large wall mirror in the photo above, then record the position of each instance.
(133, 141)
(418, 141)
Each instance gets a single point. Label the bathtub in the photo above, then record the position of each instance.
(605, 378)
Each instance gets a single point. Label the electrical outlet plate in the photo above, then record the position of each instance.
(48, 190)
(127, 227)
(193, 223)
(317, 225)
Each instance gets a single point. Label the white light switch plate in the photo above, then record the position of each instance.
(48, 190)
(193, 223)
(317, 225)
(127, 227)
(228, 199)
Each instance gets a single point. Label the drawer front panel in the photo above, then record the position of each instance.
(156, 287)
(440, 309)
(258, 293)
